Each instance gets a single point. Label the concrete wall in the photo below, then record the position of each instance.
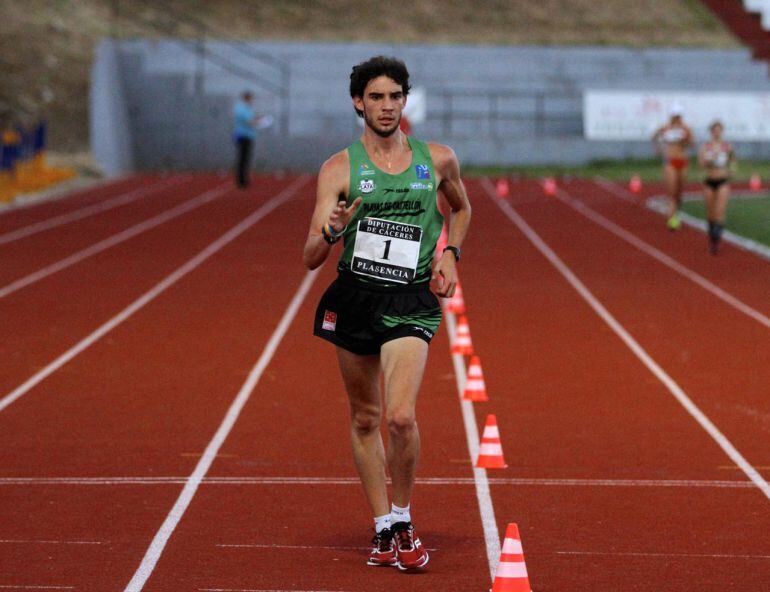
(493, 105)
(111, 131)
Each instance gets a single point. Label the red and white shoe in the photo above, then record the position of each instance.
(383, 552)
(410, 553)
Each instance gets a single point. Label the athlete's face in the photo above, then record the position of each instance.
(716, 131)
(382, 104)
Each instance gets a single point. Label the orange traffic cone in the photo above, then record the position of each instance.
(755, 182)
(549, 186)
(475, 389)
(502, 187)
(457, 302)
(490, 451)
(635, 184)
(462, 344)
(511, 574)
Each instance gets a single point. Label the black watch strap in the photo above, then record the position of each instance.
(455, 252)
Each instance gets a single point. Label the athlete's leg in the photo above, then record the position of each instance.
(680, 178)
(403, 365)
(671, 176)
(361, 375)
(710, 196)
(719, 211)
(720, 202)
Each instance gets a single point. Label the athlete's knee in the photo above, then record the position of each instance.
(365, 420)
(401, 421)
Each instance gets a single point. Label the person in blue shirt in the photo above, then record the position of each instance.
(245, 132)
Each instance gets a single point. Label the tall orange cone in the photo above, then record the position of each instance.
(502, 187)
(475, 389)
(549, 186)
(511, 574)
(755, 182)
(490, 451)
(635, 184)
(462, 344)
(457, 302)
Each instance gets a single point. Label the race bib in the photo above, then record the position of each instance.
(386, 250)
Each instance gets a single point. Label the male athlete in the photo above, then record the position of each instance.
(379, 197)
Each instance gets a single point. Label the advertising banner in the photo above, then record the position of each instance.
(635, 115)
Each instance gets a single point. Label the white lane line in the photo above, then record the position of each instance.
(672, 555)
(274, 546)
(486, 509)
(654, 203)
(616, 190)
(440, 481)
(31, 542)
(580, 207)
(116, 239)
(153, 292)
(85, 212)
(736, 239)
(711, 429)
(60, 191)
(196, 478)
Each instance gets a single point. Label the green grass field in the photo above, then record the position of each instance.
(746, 216)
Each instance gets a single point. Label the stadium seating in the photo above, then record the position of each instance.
(527, 101)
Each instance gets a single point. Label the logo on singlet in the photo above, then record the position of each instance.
(364, 170)
(366, 186)
(422, 170)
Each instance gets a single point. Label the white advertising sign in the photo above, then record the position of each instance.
(635, 115)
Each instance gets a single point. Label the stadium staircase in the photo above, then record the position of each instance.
(746, 21)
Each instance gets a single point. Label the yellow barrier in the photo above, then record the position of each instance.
(24, 167)
(7, 191)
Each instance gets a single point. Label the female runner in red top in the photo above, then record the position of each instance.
(676, 139)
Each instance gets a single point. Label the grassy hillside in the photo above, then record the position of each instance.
(46, 45)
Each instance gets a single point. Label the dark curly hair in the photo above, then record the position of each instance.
(393, 68)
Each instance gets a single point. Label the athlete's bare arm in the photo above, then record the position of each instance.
(330, 206)
(656, 138)
(687, 141)
(450, 184)
(702, 162)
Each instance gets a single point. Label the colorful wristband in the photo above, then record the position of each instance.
(330, 235)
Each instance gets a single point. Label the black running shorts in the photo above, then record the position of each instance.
(360, 317)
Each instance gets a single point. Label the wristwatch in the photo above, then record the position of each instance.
(455, 252)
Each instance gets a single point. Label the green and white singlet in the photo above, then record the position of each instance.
(392, 236)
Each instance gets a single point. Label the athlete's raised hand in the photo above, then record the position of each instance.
(341, 215)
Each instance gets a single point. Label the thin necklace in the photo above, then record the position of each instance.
(389, 157)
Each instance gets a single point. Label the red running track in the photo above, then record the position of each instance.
(613, 484)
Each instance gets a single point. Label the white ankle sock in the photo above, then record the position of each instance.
(382, 522)
(398, 514)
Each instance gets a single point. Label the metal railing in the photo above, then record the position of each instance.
(541, 113)
(278, 85)
(451, 113)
